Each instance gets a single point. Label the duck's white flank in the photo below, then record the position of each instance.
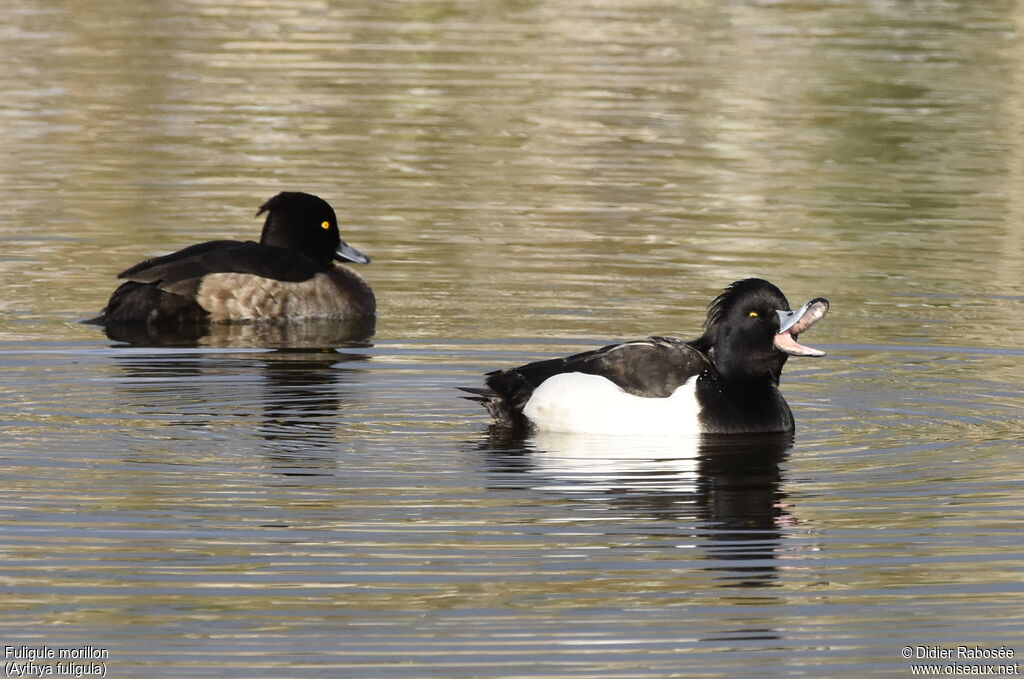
(591, 404)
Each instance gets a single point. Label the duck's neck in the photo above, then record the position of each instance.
(747, 373)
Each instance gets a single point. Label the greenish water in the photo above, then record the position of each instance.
(531, 179)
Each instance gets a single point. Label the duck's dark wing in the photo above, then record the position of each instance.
(163, 289)
(181, 272)
(654, 367)
(180, 255)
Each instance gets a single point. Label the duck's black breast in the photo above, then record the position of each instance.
(728, 407)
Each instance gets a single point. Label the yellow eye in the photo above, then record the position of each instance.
(325, 225)
(753, 314)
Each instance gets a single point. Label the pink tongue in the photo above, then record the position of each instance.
(785, 342)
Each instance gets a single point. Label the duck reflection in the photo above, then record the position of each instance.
(220, 380)
(722, 491)
(743, 507)
(301, 395)
(309, 333)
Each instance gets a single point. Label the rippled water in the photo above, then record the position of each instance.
(531, 179)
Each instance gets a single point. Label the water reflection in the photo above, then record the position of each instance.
(304, 333)
(301, 396)
(722, 494)
(297, 395)
(743, 506)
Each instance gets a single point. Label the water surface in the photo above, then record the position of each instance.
(531, 179)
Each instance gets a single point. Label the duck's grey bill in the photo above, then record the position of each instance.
(804, 317)
(347, 253)
(792, 323)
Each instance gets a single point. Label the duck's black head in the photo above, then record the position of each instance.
(752, 331)
(307, 224)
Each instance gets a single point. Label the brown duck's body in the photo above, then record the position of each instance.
(339, 292)
(289, 274)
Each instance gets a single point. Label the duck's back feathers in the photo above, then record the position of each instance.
(654, 367)
(142, 272)
(181, 272)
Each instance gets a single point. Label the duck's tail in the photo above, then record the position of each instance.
(502, 408)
